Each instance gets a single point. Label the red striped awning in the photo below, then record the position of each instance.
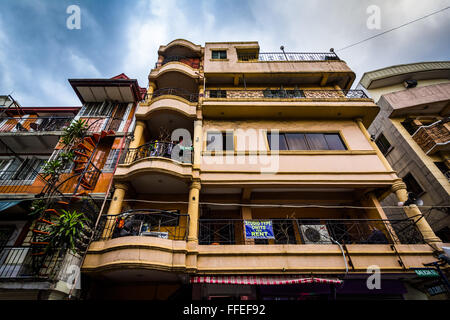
(262, 280)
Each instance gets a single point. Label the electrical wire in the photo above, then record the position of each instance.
(392, 29)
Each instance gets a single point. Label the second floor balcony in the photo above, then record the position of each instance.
(32, 125)
(158, 149)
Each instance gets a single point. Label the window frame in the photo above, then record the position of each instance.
(218, 51)
(388, 149)
(227, 131)
(338, 133)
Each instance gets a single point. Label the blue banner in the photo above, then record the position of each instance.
(258, 229)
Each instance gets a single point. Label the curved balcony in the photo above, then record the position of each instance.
(157, 167)
(171, 100)
(170, 70)
(193, 62)
(178, 46)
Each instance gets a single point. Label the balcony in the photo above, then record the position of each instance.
(312, 231)
(287, 56)
(184, 94)
(158, 149)
(434, 137)
(192, 62)
(284, 94)
(34, 124)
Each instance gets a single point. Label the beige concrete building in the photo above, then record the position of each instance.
(250, 169)
(413, 132)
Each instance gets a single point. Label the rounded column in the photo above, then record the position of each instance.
(138, 133)
(412, 211)
(115, 208)
(193, 210)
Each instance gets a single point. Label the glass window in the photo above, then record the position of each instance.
(307, 141)
(334, 141)
(383, 144)
(220, 141)
(412, 185)
(296, 141)
(219, 54)
(316, 141)
(282, 145)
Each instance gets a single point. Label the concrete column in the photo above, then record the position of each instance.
(193, 209)
(115, 208)
(150, 90)
(399, 188)
(197, 143)
(138, 133)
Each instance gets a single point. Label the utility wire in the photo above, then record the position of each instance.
(395, 28)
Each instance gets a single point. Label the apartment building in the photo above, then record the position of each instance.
(252, 175)
(37, 191)
(413, 133)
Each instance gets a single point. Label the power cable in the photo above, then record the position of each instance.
(392, 29)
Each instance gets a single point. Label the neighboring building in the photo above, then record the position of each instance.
(413, 132)
(30, 138)
(280, 146)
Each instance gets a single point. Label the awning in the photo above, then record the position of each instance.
(8, 204)
(262, 280)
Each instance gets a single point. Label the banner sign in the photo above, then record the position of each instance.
(255, 229)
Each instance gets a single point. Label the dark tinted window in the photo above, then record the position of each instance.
(309, 141)
(383, 144)
(282, 145)
(219, 54)
(220, 140)
(217, 93)
(412, 185)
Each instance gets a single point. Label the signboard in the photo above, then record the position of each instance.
(258, 229)
(429, 273)
(436, 290)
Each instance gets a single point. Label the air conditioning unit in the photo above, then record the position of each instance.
(315, 234)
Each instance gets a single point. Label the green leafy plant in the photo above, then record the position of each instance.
(68, 231)
(52, 167)
(75, 131)
(37, 207)
(66, 156)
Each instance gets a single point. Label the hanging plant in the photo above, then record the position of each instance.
(67, 233)
(75, 131)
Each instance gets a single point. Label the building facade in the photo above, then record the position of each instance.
(413, 132)
(37, 192)
(252, 175)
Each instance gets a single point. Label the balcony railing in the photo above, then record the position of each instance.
(192, 62)
(17, 262)
(433, 137)
(164, 224)
(313, 231)
(285, 94)
(189, 96)
(288, 56)
(31, 124)
(156, 148)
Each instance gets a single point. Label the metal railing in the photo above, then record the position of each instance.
(288, 56)
(190, 61)
(34, 124)
(189, 96)
(285, 94)
(313, 231)
(164, 224)
(157, 148)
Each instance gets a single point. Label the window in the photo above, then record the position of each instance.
(111, 160)
(383, 144)
(219, 54)
(217, 141)
(6, 233)
(306, 141)
(412, 185)
(443, 168)
(15, 169)
(217, 93)
(97, 109)
(409, 126)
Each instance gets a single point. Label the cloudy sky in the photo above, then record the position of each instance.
(38, 53)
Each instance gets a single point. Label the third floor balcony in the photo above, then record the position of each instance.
(434, 137)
